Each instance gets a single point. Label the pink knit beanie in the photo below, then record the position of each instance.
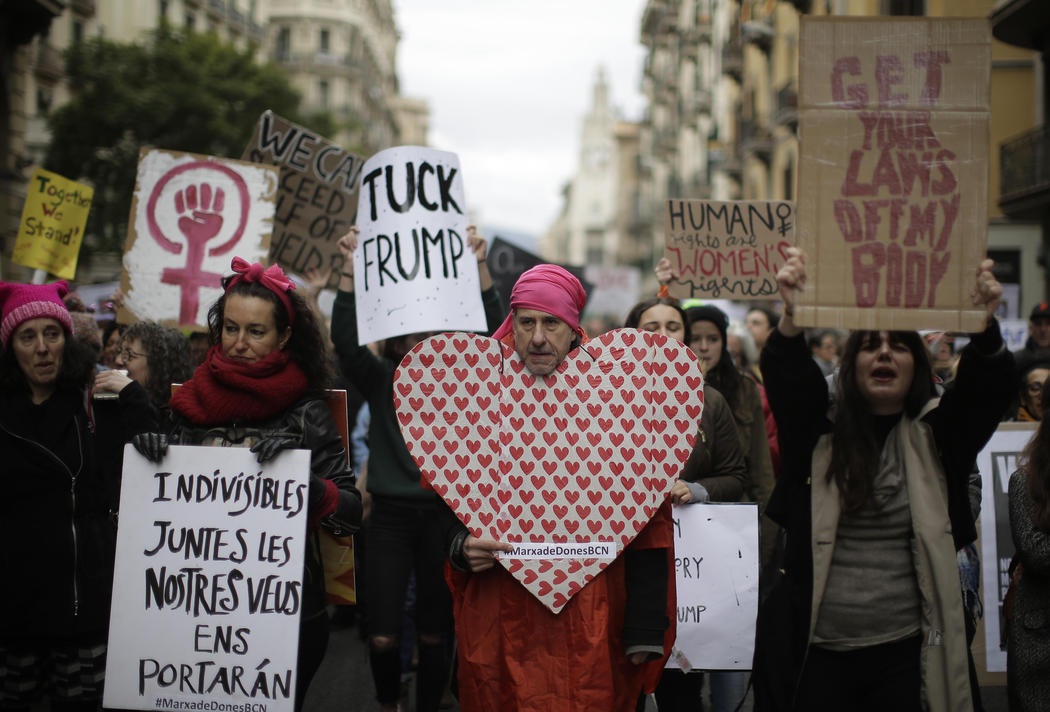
(21, 302)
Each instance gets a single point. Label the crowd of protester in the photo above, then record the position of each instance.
(859, 449)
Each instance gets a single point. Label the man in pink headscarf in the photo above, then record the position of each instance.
(610, 642)
(544, 318)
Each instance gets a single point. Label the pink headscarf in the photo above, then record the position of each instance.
(272, 277)
(550, 289)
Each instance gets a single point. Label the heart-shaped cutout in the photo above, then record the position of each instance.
(582, 456)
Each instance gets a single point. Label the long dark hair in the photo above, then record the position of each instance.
(307, 345)
(854, 447)
(634, 317)
(724, 377)
(77, 370)
(1036, 463)
(167, 357)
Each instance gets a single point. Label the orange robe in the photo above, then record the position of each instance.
(515, 655)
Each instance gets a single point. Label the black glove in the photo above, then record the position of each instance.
(267, 448)
(152, 446)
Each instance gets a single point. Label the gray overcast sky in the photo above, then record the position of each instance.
(508, 83)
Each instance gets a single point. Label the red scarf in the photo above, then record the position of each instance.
(223, 390)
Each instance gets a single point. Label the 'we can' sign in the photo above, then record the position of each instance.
(413, 268)
(893, 177)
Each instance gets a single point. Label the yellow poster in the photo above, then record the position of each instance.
(53, 221)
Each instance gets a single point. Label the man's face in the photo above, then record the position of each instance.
(759, 326)
(1039, 329)
(542, 340)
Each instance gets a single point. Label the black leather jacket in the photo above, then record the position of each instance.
(309, 422)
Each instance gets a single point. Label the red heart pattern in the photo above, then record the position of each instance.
(587, 453)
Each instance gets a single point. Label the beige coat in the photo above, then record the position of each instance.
(945, 671)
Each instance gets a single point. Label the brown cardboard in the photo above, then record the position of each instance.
(727, 250)
(884, 103)
(317, 198)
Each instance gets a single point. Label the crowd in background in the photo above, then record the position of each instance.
(74, 390)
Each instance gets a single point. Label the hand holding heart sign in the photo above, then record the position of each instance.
(582, 456)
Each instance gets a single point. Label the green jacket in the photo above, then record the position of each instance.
(391, 470)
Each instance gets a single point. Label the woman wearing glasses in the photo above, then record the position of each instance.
(154, 357)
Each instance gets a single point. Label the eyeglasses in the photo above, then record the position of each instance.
(127, 355)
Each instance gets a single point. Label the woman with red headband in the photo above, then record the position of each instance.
(262, 386)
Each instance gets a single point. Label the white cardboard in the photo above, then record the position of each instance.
(158, 250)
(996, 462)
(716, 573)
(158, 657)
(413, 268)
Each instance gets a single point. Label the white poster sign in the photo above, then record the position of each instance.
(716, 572)
(190, 216)
(413, 268)
(207, 588)
(996, 462)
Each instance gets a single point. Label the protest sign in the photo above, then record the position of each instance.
(190, 215)
(612, 290)
(569, 467)
(317, 198)
(413, 268)
(893, 171)
(716, 574)
(507, 262)
(207, 588)
(996, 462)
(52, 227)
(727, 250)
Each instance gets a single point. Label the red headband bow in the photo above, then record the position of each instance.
(272, 277)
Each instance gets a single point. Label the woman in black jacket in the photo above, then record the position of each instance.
(873, 498)
(716, 471)
(262, 386)
(60, 459)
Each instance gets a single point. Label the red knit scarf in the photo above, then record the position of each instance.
(223, 390)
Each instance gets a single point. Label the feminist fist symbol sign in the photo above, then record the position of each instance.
(202, 213)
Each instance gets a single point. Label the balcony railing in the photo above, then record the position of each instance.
(1024, 178)
(733, 59)
(758, 33)
(49, 64)
(755, 139)
(85, 8)
(787, 106)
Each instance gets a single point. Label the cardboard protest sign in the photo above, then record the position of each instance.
(612, 291)
(413, 268)
(317, 198)
(997, 461)
(190, 216)
(207, 588)
(716, 578)
(506, 262)
(570, 466)
(52, 227)
(727, 250)
(893, 171)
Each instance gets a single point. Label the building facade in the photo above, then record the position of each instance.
(721, 83)
(595, 226)
(341, 57)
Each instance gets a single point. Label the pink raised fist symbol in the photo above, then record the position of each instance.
(205, 208)
(201, 210)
